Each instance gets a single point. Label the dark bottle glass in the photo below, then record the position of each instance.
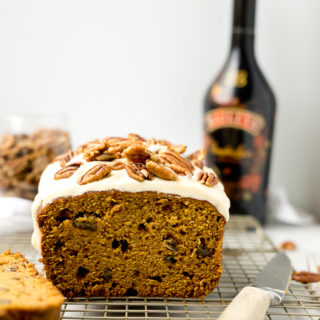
(239, 112)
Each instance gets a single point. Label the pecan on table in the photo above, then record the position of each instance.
(305, 276)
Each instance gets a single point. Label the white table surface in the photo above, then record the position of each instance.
(306, 257)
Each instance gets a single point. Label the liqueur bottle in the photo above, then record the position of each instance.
(239, 112)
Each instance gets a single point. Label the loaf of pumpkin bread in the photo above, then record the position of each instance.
(129, 216)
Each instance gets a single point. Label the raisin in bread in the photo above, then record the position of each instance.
(129, 216)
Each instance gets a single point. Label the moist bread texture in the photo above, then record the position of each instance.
(23, 293)
(130, 216)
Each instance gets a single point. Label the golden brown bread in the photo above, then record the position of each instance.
(120, 243)
(23, 293)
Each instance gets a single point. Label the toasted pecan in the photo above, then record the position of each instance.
(118, 165)
(134, 172)
(198, 163)
(288, 245)
(96, 173)
(208, 179)
(197, 155)
(67, 171)
(105, 156)
(135, 137)
(305, 276)
(65, 158)
(180, 148)
(136, 153)
(174, 161)
(160, 171)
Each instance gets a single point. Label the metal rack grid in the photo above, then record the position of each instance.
(246, 251)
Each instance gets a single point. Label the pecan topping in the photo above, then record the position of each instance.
(118, 165)
(143, 169)
(197, 155)
(160, 171)
(180, 148)
(96, 173)
(151, 142)
(164, 142)
(133, 136)
(65, 158)
(118, 146)
(107, 156)
(160, 142)
(94, 149)
(306, 277)
(142, 161)
(67, 171)
(209, 179)
(198, 163)
(136, 153)
(174, 161)
(134, 172)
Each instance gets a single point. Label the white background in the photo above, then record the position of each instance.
(143, 66)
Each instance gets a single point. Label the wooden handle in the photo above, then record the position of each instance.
(250, 304)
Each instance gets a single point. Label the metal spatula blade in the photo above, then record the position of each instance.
(275, 277)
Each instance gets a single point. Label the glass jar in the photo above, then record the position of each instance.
(28, 143)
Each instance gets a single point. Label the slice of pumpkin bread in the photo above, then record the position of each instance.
(24, 294)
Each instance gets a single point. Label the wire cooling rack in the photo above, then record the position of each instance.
(246, 250)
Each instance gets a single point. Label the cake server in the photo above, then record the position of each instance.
(266, 290)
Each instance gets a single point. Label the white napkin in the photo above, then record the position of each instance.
(15, 215)
(281, 210)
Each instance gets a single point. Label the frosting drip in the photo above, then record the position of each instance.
(185, 186)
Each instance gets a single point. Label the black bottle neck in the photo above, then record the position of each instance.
(243, 26)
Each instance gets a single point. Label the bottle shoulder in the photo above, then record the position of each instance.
(240, 81)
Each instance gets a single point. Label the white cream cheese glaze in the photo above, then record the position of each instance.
(185, 186)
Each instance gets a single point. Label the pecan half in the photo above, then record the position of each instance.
(136, 153)
(143, 169)
(94, 149)
(134, 172)
(305, 276)
(288, 245)
(161, 142)
(96, 173)
(67, 171)
(174, 161)
(118, 146)
(173, 165)
(107, 156)
(198, 163)
(133, 136)
(65, 158)
(180, 148)
(164, 142)
(160, 171)
(197, 155)
(118, 165)
(151, 142)
(208, 179)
